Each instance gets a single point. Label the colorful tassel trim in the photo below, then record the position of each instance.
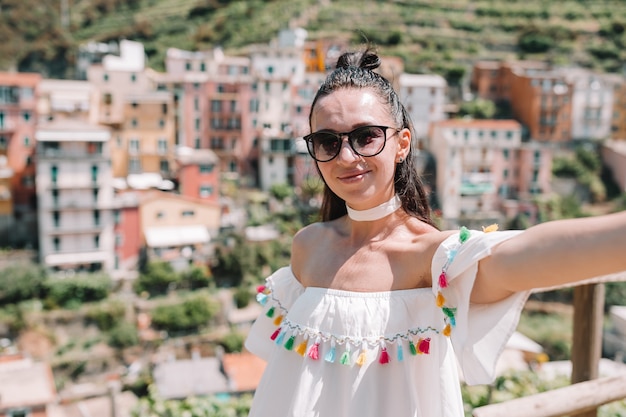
(442, 282)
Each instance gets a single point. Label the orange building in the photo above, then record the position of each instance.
(18, 116)
(541, 99)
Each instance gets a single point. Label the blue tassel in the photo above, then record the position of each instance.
(261, 298)
(400, 352)
(330, 356)
(281, 336)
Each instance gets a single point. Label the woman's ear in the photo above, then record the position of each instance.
(404, 144)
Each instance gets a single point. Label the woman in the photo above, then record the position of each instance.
(378, 305)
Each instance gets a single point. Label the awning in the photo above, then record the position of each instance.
(173, 236)
(75, 258)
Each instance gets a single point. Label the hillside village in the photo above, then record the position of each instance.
(129, 164)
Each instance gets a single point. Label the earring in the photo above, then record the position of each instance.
(400, 160)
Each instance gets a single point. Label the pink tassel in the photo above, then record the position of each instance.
(275, 334)
(314, 352)
(384, 356)
(443, 280)
(260, 288)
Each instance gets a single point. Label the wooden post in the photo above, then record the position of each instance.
(587, 337)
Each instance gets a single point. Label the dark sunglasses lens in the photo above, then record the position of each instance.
(368, 140)
(324, 146)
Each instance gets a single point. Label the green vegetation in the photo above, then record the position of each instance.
(429, 35)
(189, 315)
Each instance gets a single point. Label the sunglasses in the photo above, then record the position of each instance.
(325, 145)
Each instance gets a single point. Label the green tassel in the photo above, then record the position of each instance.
(270, 312)
(464, 234)
(412, 348)
(345, 358)
(450, 312)
(289, 343)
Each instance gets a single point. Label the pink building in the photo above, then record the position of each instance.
(198, 174)
(483, 165)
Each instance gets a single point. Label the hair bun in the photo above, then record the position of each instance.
(366, 60)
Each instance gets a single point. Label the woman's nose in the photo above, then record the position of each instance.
(346, 153)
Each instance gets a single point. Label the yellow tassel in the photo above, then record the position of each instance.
(447, 330)
(490, 228)
(362, 357)
(441, 300)
(301, 348)
(278, 320)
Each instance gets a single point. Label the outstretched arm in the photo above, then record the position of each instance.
(553, 253)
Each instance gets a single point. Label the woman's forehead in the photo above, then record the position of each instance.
(349, 107)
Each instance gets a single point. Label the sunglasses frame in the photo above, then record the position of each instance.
(309, 139)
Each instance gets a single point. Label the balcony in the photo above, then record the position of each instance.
(477, 183)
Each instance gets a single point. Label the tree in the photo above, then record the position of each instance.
(478, 109)
(21, 282)
(157, 278)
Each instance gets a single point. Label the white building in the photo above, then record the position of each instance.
(74, 194)
(592, 104)
(424, 97)
(277, 68)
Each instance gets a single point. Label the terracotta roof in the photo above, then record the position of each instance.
(244, 370)
(21, 79)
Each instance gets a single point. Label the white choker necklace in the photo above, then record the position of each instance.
(377, 212)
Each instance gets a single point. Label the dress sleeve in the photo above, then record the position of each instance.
(280, 291)
(478, 332)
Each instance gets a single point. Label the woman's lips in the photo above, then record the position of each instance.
(353, 176)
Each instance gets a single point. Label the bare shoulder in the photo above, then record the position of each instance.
(306, 239)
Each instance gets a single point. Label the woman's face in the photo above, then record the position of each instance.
(363, 182)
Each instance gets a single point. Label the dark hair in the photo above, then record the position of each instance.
(356, 70)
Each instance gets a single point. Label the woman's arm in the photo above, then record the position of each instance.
(553, 253)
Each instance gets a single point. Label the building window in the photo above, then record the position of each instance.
(117, 216)
(161, 123)
(96, 217)
(133, 146)
(162, 146)
(133, 77)
(94, 173)
(105, 77)
(197, 143)
(134, 165)
(202, 67)
(26, 141)
(206, 168)
(26, 116)
(216, 106)
(206, 191)
(160, 214)
(56, 219)
(54, 171)
(96, 241)
(505, 153)
(188, 213)
(56, 243)
(164, 165)
(119, 240)
(188, 66)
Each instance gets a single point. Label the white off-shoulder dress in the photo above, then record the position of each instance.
(374, 354)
